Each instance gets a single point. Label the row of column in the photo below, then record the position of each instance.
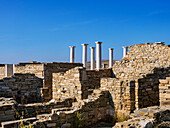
(98, 55)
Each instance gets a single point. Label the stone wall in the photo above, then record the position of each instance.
(151, 117)
(131, 94)
(44, 71)
(11, 110)
(54, 67)
(164, 91)
(134, 83)
(142, 67)
(84, 113)
(24, 88)
(122, 93)
(32, 68)
(34, 109)
(67, 84)
(77, 83)
(142, 59)
(7, 111)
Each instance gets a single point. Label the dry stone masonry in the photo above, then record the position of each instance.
(164, 91)
(69, 95)
(44, 71)
(24, 88)
(151, 117)
(77, 83)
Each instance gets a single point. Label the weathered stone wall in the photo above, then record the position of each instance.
(122, 93)
(142, 59)
(131, 94)
(83, 113)
(147, 88)
(164, 91)
(2, 71)
(67, 84)
(77, 83)
(11, 110)
(32, 110)
(54, 67)
(94, 76)
(44, 71)
(32, 68)
(7, 111)
(151, 117)
(135, 85)
(143, 66)
(24, 88)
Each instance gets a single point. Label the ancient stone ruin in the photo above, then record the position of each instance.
(133, 92)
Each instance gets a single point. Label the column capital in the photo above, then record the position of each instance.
(160, 42)
(72, 46)
(84, 44)
(98, 42)
(111, 48)
(92, 47)
(125, 47)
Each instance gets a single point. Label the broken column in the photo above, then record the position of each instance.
(125, 49)
(92, 58)
(110, 57)
(9, 70)
(84, 59)
(72, 54)
(98, 55)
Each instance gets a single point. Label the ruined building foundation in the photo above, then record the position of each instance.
(69, 95)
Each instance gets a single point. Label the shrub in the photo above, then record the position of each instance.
(78, 120)
(120, 117)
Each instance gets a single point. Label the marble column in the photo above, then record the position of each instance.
(98, 55)
(84, 57)
(92, 58)
(125, 49)
(9, 70)
(72, 54)
(110, 57)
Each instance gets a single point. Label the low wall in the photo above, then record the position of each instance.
(32, 110)
(77, 83)
(31, 68)
(142, 59)
(49, 69)
(150, 117)
(24, 88)
(10, 110)
(86, 114)
(122, 93)
(164, 91)
(44, 71)
(131, 94)
(7, 111)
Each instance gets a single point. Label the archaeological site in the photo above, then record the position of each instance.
(131, 93)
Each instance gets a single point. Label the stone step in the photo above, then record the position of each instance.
(44, 116)
(168, 78)
(97, 91)
(163, 81)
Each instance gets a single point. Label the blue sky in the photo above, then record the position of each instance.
(43, 30)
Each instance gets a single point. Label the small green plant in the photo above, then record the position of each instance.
(78, 120)
(22, 125)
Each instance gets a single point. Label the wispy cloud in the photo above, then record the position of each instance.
(67, 26)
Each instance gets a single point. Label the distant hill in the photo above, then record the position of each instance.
(104, 62)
